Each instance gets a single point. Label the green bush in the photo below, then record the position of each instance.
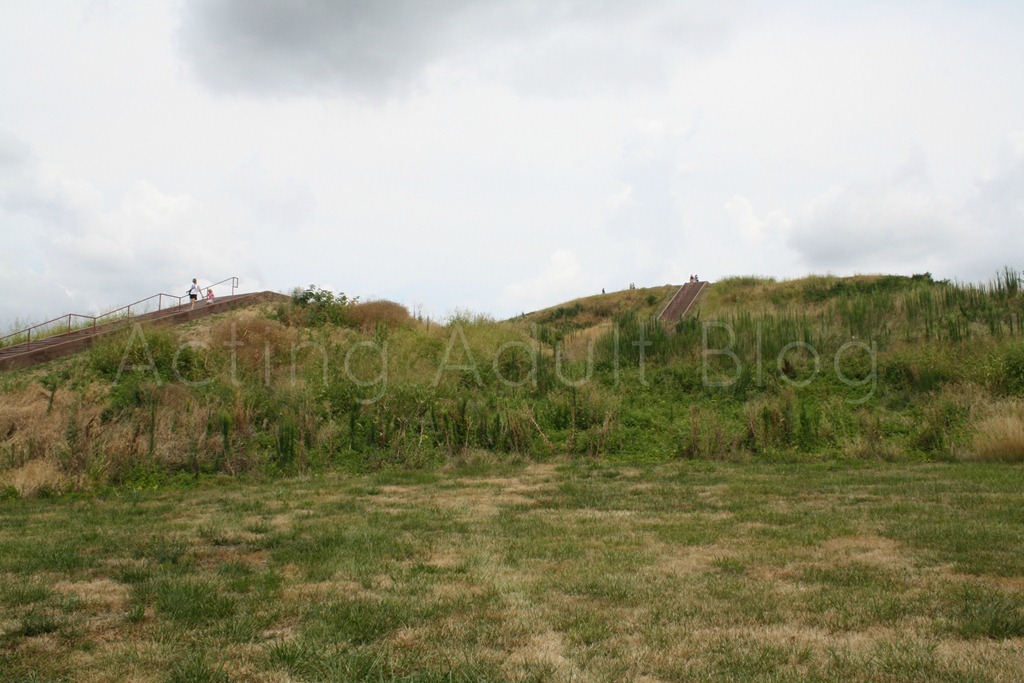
(320, 305)
(1012, 366)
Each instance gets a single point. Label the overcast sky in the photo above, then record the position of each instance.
(500, 155)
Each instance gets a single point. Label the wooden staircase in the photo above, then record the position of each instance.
(682, 302)
(38, 351)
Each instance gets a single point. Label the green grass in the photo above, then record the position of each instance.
(547, 572)
(194, 668)
(979, 611)
(190, 603)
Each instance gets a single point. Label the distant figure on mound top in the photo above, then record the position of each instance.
(209, 295)
(193, 293)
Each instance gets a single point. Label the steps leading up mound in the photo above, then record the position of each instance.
(682, 301)
(26, 355)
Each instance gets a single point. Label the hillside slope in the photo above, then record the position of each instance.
(600, 308)
(818, 368)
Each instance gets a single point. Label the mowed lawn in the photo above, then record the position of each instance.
(541, 572)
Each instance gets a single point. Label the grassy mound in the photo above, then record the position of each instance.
(869, 367)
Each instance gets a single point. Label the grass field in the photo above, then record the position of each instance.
(530, 572)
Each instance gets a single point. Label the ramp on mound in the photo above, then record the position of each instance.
(682, 301)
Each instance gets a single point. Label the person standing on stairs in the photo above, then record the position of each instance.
(193, 293)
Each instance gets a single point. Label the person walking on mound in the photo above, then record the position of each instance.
(193, 293)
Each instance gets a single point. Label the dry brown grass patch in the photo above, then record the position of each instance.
(873, 550)
(545, 648)
(36, 476)
(320, 590)
(100, 594)
(999, 436)
(680, 561)
(580, 344)
(369, 314)
(249, 337)
(30, 429)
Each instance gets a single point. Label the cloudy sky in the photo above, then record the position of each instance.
(500, 155)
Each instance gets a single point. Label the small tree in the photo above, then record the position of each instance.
(322, 305)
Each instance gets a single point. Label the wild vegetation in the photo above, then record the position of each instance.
(871, 367)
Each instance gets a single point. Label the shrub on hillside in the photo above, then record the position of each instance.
(914, 370)
(368, 315)
(1012, 370)
(316, 305)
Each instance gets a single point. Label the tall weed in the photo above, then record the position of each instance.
(999, 436)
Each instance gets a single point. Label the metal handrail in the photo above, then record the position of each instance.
(232, 280)
(125, 313)
(28, 330)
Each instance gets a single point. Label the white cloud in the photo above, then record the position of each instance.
(563, 278)
(745, 222)
(617, 201)
(378, 50)
(14, 154)
(1016, 143)
(77, 251)
(997, 218)
(850, 228)
(907, 225)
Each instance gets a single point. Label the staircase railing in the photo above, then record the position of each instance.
(232, 280)
(25, 336)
